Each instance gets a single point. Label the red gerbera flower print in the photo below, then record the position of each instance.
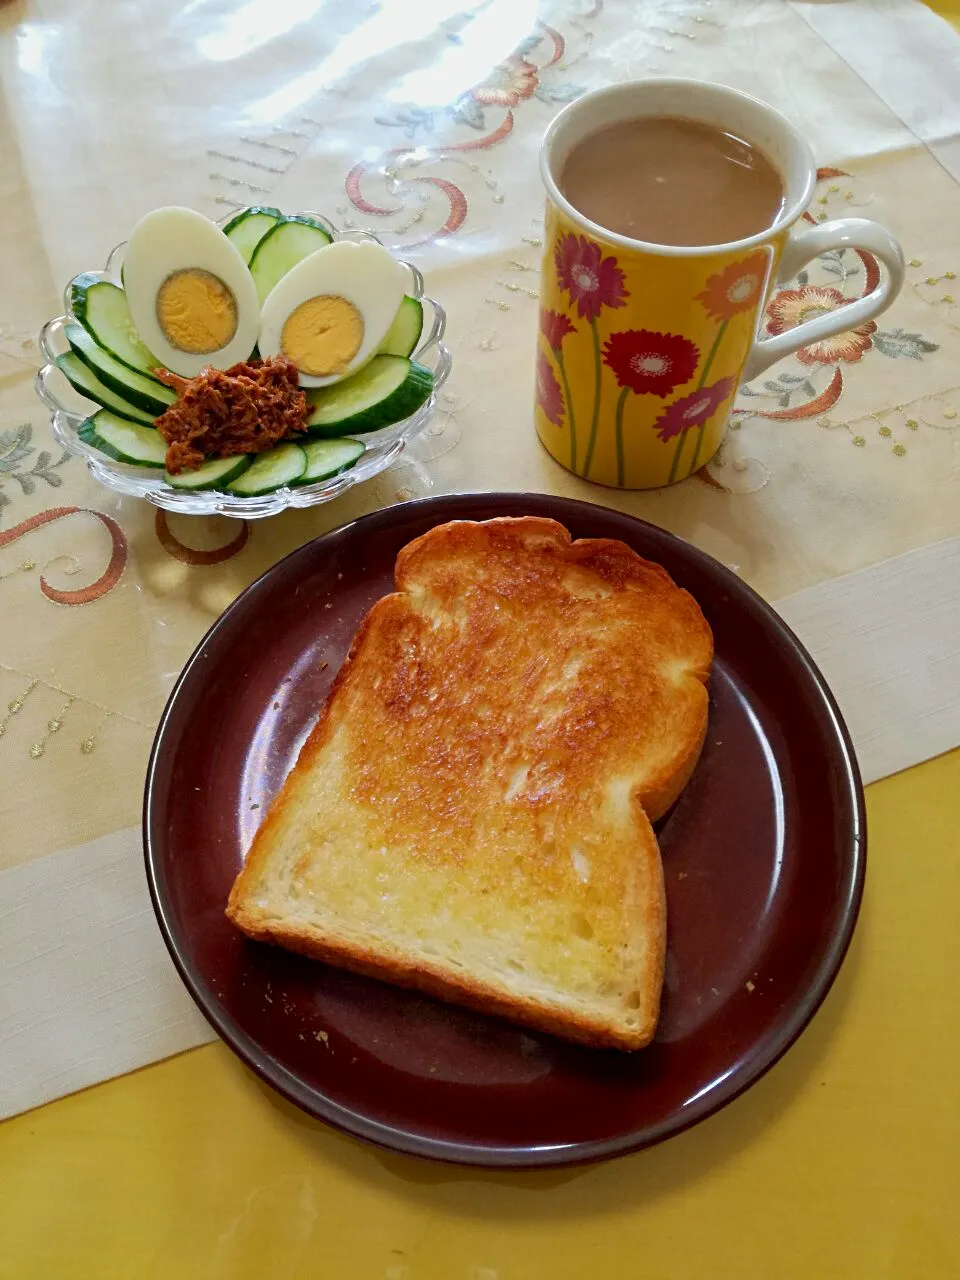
(651, 363)
(555, 328)
(592, 281)
(549, 395)
(694, 410)
(736, 288)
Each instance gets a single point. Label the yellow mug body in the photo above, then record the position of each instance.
(642, 346)
(640, 351)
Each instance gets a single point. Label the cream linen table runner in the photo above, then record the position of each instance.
(835, 494)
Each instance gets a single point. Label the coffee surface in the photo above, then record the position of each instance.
(672, 181)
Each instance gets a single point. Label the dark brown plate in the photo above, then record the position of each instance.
(763, 854)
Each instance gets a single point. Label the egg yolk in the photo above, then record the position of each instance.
(196, 311)
(322, 335)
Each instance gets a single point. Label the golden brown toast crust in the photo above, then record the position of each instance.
(517, 692)
(463, 991)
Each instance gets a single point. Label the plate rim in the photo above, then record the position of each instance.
(356, 1123)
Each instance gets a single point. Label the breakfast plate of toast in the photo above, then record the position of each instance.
(504, 829)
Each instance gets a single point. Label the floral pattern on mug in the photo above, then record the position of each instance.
(793, 306)
(693, 410)
(555, 328)
(549, 395)
(592, 281)
(651, 363)
(647, 363)
(736, 288)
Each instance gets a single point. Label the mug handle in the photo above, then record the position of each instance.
(801, 248)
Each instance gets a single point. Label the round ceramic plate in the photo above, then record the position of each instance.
(763, 856)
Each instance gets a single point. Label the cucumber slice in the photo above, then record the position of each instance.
(326, 458)
(403, 335)
(283, 464)
(386, 390)
(137, 388)
(248, 228)
(102, 309)
(124, 441)
(285, 244)
(215, 473)
(88, 384)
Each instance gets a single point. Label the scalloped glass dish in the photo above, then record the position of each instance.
(69, 410)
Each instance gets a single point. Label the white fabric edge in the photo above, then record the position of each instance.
(88, 992)
(907, 55)
(887, 640)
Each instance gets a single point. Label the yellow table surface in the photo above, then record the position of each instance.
(843, 1162)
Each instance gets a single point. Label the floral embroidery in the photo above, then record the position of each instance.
(651, 363)
(795, 394)
(110, 576)
(592, 281)
(35, 685)
(554, 328)
(15, 449)
(549, 395)
(736, 288)
(898, 345)
(513, 81)
(526, 74)
(792, 307)
(693, 410)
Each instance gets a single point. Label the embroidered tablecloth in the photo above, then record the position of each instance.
(422, 122)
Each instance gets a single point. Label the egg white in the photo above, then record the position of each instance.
(175, 239)
(364, 274)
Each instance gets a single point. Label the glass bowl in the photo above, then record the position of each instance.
(69, 410)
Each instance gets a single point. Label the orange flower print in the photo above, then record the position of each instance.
(793, 306)
(736, 288)
(513, 81)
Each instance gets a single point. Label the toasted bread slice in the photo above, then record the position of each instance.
(471, 815)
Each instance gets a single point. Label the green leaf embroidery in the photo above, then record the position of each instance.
(558, 92)
(15, 448)
(898, 345)
(469, 111)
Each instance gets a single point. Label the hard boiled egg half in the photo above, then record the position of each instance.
(331, 311)
(191, 296)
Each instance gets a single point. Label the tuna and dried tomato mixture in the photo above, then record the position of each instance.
(220, 413)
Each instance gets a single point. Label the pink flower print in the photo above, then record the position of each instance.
(554, 328)
(549, 395)
(592, 281)
(693, 410)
